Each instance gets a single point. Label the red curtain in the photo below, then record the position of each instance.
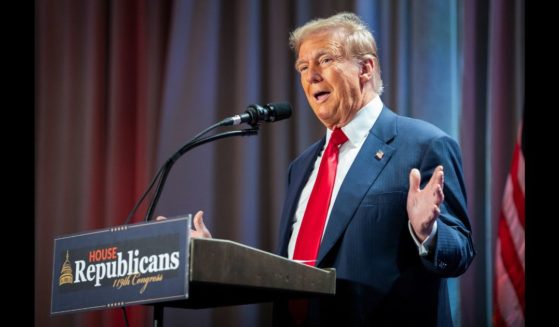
(99, 73)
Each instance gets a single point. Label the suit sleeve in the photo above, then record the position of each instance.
(453, 250)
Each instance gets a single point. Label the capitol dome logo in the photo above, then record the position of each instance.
(66, 274)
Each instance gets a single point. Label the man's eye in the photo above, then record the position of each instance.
(302, 69)
(325, 60)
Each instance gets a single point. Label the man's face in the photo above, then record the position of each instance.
(331, 81)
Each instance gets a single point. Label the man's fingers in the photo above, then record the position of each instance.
(200, 228)
(440, 195)
(439, 175)
(415, 180)
(437, 179)
(199, 221)
(436, 211)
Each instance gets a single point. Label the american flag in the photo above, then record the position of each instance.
(508, 296)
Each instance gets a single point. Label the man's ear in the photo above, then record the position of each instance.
(366, 70)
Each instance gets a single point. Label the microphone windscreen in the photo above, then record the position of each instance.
(279, 110)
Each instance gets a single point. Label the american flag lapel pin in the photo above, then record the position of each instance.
(379, 155)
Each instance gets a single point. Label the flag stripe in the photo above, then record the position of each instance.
(507, 308)
(509, 212)
(511, 261)
(520, 174)
(516, 189)
(497, 318)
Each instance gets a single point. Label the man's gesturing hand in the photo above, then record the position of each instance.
(423, 205)
(200, 229)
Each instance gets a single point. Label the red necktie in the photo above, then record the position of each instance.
(312, 226)
(314, 219)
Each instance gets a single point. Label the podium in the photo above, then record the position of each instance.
(157, 263)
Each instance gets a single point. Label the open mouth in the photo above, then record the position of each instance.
(321, 96)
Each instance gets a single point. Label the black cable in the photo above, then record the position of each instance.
(125, 317)
(146, 192)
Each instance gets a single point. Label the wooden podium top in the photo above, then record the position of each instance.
(224, 272)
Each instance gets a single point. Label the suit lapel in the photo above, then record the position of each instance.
(362, 174)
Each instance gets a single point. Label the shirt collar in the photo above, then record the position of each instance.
(358, 128)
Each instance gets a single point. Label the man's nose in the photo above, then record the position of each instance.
(313, 74)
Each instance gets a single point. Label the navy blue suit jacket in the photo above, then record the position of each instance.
(381, 279)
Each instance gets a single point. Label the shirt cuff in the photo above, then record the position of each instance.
(425, 246)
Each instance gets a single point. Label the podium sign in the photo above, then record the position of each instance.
(126, 265)
(157, 263)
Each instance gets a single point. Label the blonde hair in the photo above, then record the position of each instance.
(358, 41)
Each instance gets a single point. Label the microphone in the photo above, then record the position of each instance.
(255, 114)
